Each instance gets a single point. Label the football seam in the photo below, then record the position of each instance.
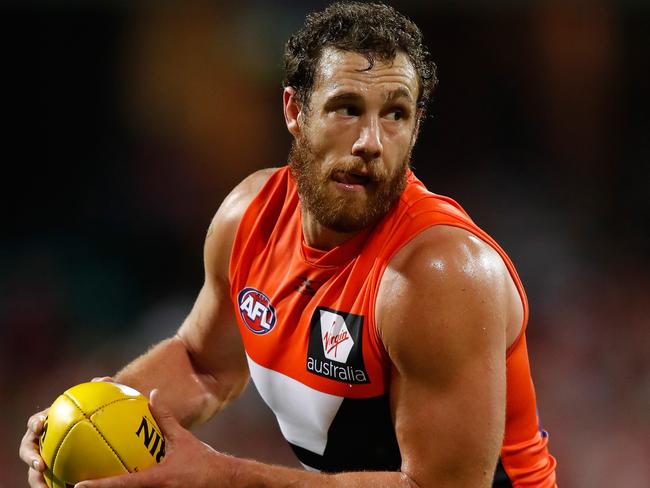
(60, 443)
(110, 447)
(104, 405)
(87, 417)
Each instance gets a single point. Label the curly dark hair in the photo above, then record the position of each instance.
(374, 30)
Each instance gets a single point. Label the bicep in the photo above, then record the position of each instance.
(211, 336)
(449, 429)
(444, 330)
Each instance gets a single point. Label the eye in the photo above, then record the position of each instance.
(348, 111)
(396, 114)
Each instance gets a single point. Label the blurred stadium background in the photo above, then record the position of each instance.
(127, 123)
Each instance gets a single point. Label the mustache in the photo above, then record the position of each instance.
(372, 170)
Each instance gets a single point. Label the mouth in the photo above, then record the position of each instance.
(352, 180)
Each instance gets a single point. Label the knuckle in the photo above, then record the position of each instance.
(35, 422)
(25, 452)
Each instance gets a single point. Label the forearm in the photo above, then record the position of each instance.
(191, 394)
(252, 474)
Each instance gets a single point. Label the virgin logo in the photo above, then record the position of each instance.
(332, 341)
(335, 346)
(337, 342)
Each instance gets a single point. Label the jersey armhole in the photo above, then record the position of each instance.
(480, 235)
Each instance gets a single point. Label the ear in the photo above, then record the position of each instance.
(291, 107)
(416, 130)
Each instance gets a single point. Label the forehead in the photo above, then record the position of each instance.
(340, 70)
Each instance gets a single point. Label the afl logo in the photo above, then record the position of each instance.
(256, 310)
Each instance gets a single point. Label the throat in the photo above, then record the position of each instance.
(318, 236)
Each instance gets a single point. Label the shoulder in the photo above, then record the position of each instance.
(449, 286)
(237, 201)
(223, 227)
(444, 252)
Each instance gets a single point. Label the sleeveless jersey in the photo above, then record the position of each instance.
(307, 319)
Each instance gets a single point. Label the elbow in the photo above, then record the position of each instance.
(457, 478)
(217, 387)
(408, 482)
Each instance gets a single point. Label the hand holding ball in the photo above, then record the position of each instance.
(99, 429)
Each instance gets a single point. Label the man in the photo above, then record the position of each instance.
(381, 325)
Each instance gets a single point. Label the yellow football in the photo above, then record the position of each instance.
(99, 429)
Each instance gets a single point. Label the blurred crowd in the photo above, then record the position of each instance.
(130, 121)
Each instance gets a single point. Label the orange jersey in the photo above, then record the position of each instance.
(307, 319)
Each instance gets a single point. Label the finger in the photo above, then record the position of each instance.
(164, 417)
(35, 422)
(102, 378)
(29, 453)
(29, 444)
(35, 479)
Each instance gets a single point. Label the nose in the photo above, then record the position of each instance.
(368, 145)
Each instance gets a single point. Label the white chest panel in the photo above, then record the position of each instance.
(304, 414)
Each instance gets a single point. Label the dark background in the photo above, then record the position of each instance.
(126, 123)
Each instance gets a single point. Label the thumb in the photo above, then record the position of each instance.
(164, 417)
(102, 378)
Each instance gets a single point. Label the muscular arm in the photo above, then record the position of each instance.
(447, 309)
(203, 367)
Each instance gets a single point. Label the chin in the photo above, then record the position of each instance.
(348, 222)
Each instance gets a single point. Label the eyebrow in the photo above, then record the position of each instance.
(345, 96)
(392, 96)
(399, 93)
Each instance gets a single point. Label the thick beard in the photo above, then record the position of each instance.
(336, 212)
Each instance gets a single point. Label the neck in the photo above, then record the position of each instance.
(320, 237)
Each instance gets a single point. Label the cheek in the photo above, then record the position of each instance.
(396, 148)
(329, 147)
(336, 135)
